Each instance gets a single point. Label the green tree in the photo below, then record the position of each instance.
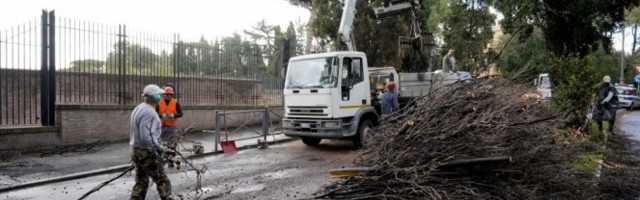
(87, 65)
(307, 4)
(378, 38)
(559, 21)
(632, 17)
(262, 33)
(138, 58)
(275, 58)
(290, 35)
(434, 15)
(325, 26)
(527, 58)
(468, 30)
(301, 33)
(231, 56)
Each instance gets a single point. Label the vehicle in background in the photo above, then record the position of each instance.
(410, 85)
(332, 95)
(628, 97)
(543, 87)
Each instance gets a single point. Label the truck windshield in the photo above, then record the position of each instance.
(312, 73)
(545, 83)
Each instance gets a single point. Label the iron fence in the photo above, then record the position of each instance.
(57, 60)
(21, 51)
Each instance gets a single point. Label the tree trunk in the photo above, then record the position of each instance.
(634, 32)
(309, 40)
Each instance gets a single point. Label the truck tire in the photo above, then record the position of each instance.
(311, 141)
(359, 141)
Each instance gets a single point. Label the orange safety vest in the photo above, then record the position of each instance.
(171, 108)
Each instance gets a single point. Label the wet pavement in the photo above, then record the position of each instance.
(628, 123)
(48, 164)
(289, 170)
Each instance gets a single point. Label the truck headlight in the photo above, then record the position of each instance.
(287, 123)
(332, 124)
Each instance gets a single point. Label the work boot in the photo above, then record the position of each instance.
(610, 128)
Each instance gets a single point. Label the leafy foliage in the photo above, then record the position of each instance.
(378, 38)
(468, 29)
(527, 58)
(137, 57)
(574, 79)
(87, 65)
(560, 19)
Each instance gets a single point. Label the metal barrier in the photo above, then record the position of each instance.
(267, 126)
(55, 60)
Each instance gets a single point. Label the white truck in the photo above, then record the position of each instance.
(330, 95)
(543, 87)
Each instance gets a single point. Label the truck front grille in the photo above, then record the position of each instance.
(308, 110)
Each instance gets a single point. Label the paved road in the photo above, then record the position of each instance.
(628, 123)
(69, 160)
(285, 171)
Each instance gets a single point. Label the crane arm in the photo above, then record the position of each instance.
(390, 8)
(346, 24)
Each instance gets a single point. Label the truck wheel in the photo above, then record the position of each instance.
(359, 141)
(310, 141)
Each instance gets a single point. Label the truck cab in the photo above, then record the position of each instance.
(543, 86)
(327, 96)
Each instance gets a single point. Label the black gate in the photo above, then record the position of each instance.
(27, 73)
(53, 61)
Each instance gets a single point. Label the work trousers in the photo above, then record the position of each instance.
(148, 164)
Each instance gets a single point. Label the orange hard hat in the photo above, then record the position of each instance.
(168, 90)
(391, 85)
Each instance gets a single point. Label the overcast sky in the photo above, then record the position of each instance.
(190, 18)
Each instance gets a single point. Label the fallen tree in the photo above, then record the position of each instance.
(468, 125)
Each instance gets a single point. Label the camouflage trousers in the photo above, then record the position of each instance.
(169, 139)
(149, 165)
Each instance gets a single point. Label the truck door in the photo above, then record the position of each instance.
(354, 90)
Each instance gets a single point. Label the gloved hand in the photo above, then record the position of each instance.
(603, 102)
(169, 151)
(164, 151)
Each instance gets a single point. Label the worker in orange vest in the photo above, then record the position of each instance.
(169, 111)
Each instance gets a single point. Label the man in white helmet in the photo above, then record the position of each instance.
(606, 104)
(146, 147)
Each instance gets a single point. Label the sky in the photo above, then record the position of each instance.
(191, 19)
(628, 40)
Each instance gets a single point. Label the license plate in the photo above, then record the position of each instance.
(305, 125)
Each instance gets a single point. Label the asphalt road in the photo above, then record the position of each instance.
(628, 123)
(285, 171)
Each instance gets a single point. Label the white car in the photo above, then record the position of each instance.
(628, 97)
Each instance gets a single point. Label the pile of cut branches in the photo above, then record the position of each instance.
(411, 152)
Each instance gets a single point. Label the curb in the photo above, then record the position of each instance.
(120, 168)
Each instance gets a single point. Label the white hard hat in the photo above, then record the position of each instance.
(151, 90)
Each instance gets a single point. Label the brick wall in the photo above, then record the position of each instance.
(19, 97)
(24, 137)
(87, 107)
(20, 92)
(84, 88)
(81, 124)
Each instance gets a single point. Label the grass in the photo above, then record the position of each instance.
(587, 162)
(596, 134)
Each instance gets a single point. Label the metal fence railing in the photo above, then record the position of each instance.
(58, 60)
